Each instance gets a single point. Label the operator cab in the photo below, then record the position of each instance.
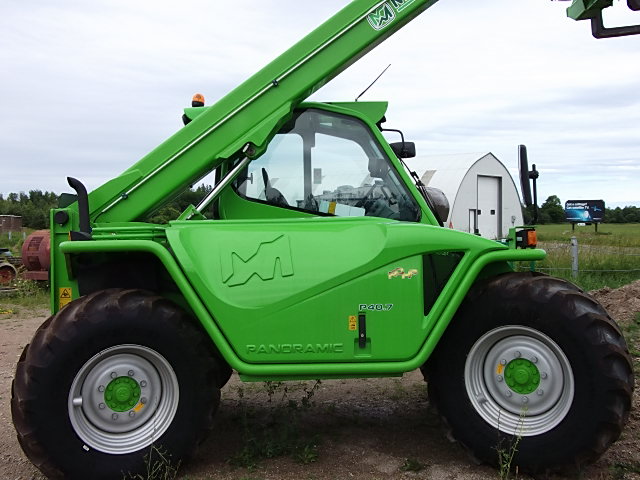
(328, 163)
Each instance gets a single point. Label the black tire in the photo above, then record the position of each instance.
(137, 332)
(224, 373)
(589, 385)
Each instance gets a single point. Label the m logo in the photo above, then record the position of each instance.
(270, 257)
(385, 14)
(381, 17)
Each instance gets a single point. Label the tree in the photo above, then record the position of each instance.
(552, 209)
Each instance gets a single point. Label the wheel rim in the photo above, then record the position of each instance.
(123, 399)
(519, 380)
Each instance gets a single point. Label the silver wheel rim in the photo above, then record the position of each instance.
(115, 429)
(527, 412)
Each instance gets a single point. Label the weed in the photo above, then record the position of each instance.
(507, 447)
(306, 454)
(411, 465)
(631, 333)
(619, 470)
(158, 466)
(26, 293)
(279, 433)
(272, 387)
(399, 391)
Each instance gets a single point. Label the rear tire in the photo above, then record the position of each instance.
(532, 356)
(109, 377)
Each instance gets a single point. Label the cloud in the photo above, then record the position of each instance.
(91, 87)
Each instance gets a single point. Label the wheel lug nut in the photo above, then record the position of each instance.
(499, 378)
(130, 373)
(143, 400)
(132, 413)
(114, 374)
(101, 388)
(508, 393)
(143, 383)
(114, 416)
(534, 359)
(543, 375)
(517, 354)
(540, 392)
(525, 400)
(101, 406)
(503, 362)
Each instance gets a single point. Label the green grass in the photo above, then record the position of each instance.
(279, 432)
(158, 466)
(609, 258)
(610, 234)
(412, 465)
(27, 294)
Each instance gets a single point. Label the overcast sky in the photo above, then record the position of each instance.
(88, 88)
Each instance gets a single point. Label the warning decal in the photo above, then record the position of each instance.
(352, 323)
(65, 296)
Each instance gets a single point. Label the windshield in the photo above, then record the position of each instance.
(329, 164)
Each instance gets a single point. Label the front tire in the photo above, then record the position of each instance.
(110, 377)
(532, 357)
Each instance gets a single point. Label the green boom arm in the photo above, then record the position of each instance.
(251, 114)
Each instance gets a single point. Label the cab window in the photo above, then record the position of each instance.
(328, 164)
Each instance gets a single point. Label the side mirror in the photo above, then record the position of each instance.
(404, 149)
(523, 165)
(525, 176)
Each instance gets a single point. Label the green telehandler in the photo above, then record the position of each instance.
(316, 255)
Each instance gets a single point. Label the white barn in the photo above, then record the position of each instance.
(482, 195)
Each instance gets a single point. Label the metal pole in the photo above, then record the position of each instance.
(574, 257)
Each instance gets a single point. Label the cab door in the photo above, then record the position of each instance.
(307, 264)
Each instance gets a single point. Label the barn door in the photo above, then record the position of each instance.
(489, 206)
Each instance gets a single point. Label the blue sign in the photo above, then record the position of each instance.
(584, 211)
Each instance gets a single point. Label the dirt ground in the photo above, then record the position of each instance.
(342, 429)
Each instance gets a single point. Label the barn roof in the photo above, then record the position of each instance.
(446, 172)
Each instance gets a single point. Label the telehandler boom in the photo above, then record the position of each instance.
(316, 255)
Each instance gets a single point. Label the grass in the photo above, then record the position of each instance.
(23, 293)
(619, 470)
(279, 432)
(507, 448)
(412, 465)
(158, 466)
(610, 234)
(26, 294)
(608, 258)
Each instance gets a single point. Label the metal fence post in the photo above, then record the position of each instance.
(574, 257)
